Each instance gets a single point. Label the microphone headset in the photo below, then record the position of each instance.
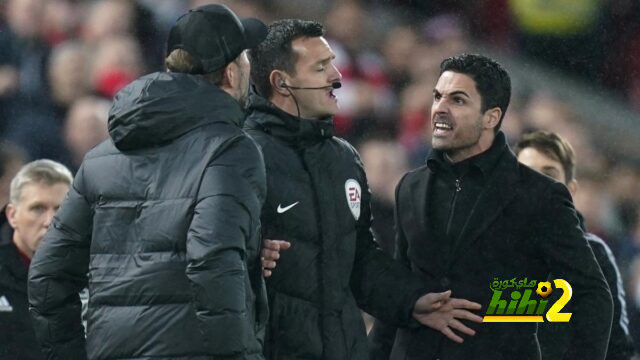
(334, 85)
(282, 84)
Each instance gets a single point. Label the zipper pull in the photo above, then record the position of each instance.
(458, 188)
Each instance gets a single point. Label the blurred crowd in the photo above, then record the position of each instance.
(62, 61)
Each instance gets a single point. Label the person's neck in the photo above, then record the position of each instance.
(483, 144)
(288, 105)
(231, 91)
(22, 248)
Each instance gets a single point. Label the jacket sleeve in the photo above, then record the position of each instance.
(226, 215)
(620, 344)
(58, 272)
(569, 257)
(382, 287)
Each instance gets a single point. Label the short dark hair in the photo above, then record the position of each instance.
(275, 52)
(492, 80)
(553, 146)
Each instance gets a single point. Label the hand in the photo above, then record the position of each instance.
(270, 253)
(441, 312)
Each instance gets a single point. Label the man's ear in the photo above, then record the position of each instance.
(229, 75)
(492, 118)
(278, 83)
(573, 187)
(11, 215)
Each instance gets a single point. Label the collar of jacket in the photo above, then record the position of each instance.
(484, 161)
(264, 115)
(162, 106)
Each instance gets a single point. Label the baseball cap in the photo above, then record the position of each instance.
(214, 35)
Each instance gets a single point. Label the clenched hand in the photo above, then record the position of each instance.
(270, 253)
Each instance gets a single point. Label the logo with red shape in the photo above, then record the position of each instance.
(354, 197)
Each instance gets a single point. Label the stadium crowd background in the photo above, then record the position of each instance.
(61, 61)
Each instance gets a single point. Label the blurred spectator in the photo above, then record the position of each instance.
(385, 162)
(150, 37)
(25, 47)
(107, 18)
(25, 17)
(414, 126)
(165, 11)
(68, 69)
(38, 133)
(397, 48)
(86, 127)
(11, 160)
(38, 129)
(548, 112)
(122, 18)
(446, 36)
(365, 97)
(596, 206)
(116, 62)
(8, 87)
(33, 119)
(8, 76)
(348, 23)
(61, 20)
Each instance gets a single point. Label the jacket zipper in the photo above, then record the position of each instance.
(453, 205)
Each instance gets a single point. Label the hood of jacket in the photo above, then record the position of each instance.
(162, 106)
(294, 130)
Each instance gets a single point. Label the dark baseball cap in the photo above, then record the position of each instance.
(214, 35)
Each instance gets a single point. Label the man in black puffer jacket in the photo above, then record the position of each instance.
(318, 200)
(164, 216)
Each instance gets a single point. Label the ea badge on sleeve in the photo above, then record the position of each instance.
(354, 196)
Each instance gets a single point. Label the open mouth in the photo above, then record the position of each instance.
(442, 127)
(331, 95)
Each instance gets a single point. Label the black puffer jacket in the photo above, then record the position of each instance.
(165, 218)
(318, 199)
